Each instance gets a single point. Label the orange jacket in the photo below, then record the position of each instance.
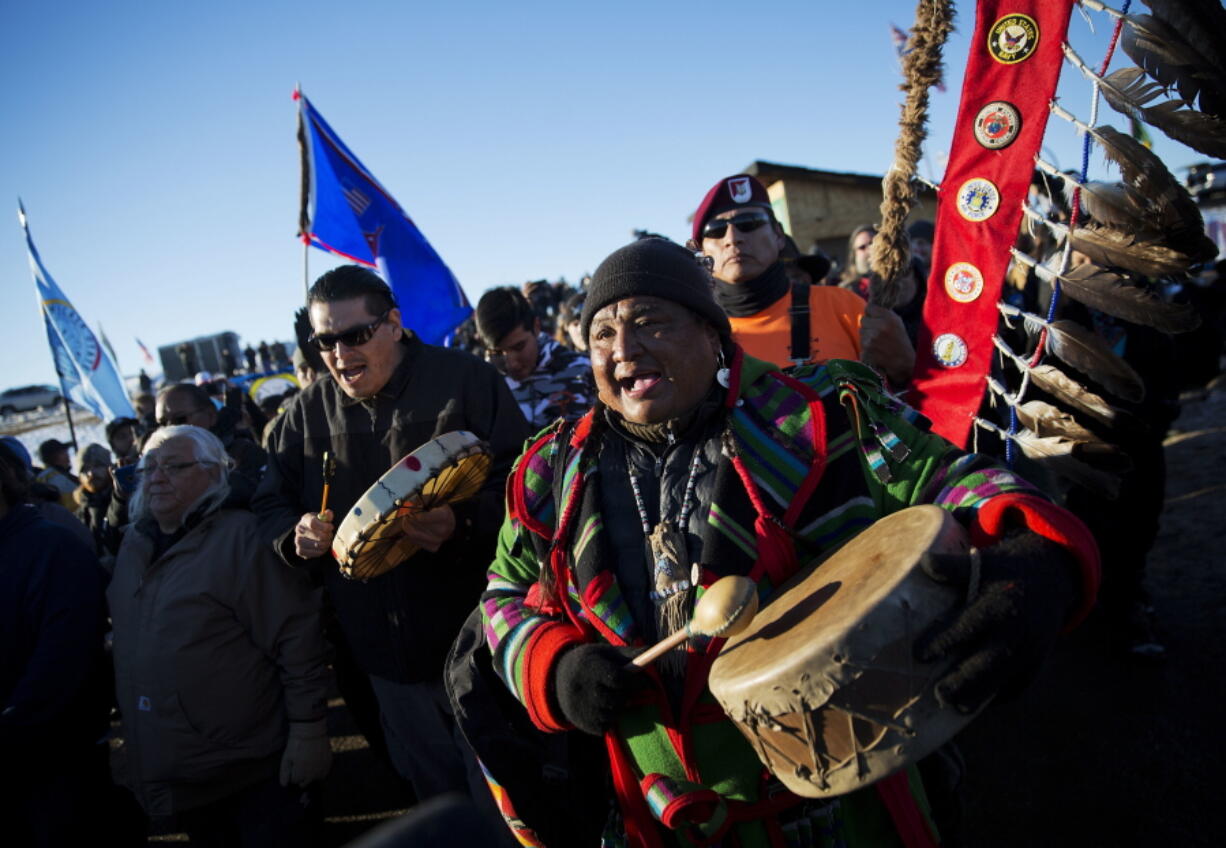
(834, 327)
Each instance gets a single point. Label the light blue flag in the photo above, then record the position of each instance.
(87, 374)
(345, 211)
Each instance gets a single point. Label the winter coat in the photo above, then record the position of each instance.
(820, 451)
(401, 623)
(53, 687)
(217, 647)
(559, 387)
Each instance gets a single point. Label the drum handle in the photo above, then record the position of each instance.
(659, 649)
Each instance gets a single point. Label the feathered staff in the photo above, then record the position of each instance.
(1177, 48)
(921, 70)
(1148, 224)
(1109, 292)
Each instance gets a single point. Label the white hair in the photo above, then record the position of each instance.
(206, 448)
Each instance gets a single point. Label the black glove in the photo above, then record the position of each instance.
(592, 684)
(999, 638)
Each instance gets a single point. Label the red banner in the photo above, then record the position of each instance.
(1011, 75)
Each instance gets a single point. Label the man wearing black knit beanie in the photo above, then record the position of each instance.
(696, 464)
(773, 319)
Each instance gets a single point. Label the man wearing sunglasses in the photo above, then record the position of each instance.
(385, 393)
(772, 318)
(187, 403)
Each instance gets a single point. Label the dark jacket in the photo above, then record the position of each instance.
(401, 623)
(217, 648)
(53, 687)
(92, 510)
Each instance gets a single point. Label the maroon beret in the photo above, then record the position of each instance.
(729, 193)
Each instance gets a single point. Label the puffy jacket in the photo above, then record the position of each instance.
(217, 647)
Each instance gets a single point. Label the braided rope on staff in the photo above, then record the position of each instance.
(890, 255)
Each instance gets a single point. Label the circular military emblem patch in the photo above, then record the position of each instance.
(978, 199)
(997, 124)
(963, 282)
(949, 349)
(1013, 39)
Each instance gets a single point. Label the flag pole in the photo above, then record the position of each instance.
(304, 226)
(72, 432)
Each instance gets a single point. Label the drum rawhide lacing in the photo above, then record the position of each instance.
(824, 684)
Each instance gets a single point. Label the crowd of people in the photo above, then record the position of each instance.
(728, 407)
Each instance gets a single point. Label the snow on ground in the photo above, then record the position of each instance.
(34, 428)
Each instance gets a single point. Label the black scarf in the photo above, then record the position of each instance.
(750, 298)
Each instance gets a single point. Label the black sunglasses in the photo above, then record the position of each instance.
(353, 337)
(746, 222)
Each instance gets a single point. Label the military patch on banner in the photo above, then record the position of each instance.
(963, 282)
(978, 199)
(1013, 39)
(997, 124)
(949, 350)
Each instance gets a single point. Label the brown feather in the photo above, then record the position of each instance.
(1116, 248)
(1169, 206)
(1110, 293)
(1047, 420)
(1055, 454)
(1200, 23)
(1085, 351)
(1164, 54)
(1129, 92)
(1166, 206)
(1089, 354)
(1106, 246)
(1064, 388)
(1114, 205)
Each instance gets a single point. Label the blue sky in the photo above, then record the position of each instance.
(153, 143)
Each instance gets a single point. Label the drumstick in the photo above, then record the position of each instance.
(329, 470)
(725, 609)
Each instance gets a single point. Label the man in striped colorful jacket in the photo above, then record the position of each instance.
(699, 462)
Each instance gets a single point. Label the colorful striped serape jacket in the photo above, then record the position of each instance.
(820, 450)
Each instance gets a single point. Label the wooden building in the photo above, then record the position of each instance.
(821, 208)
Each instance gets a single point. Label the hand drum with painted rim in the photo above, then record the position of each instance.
(445, 470)
(823, 682)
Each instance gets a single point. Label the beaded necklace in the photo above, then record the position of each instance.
(666, 541)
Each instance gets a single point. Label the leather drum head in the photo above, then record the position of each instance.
(448, 469)
(823, 682)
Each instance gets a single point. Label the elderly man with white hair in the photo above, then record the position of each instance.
(219, 657)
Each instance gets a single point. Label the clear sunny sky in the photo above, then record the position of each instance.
(153, 142)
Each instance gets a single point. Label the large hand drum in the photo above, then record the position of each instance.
(823, 683)
(445, 470)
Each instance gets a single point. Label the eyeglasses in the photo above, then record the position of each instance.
(172, 469)
(353, 337)
(746, 222)
(177, 420)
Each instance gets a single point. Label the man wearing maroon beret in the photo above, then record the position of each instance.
(773, 319)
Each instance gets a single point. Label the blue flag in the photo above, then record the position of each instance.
(87, 374)
(346, 212)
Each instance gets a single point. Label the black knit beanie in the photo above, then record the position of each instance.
(658, 268)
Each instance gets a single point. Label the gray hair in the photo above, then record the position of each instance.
(206, 448)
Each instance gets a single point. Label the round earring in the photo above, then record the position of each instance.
(723, 375)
